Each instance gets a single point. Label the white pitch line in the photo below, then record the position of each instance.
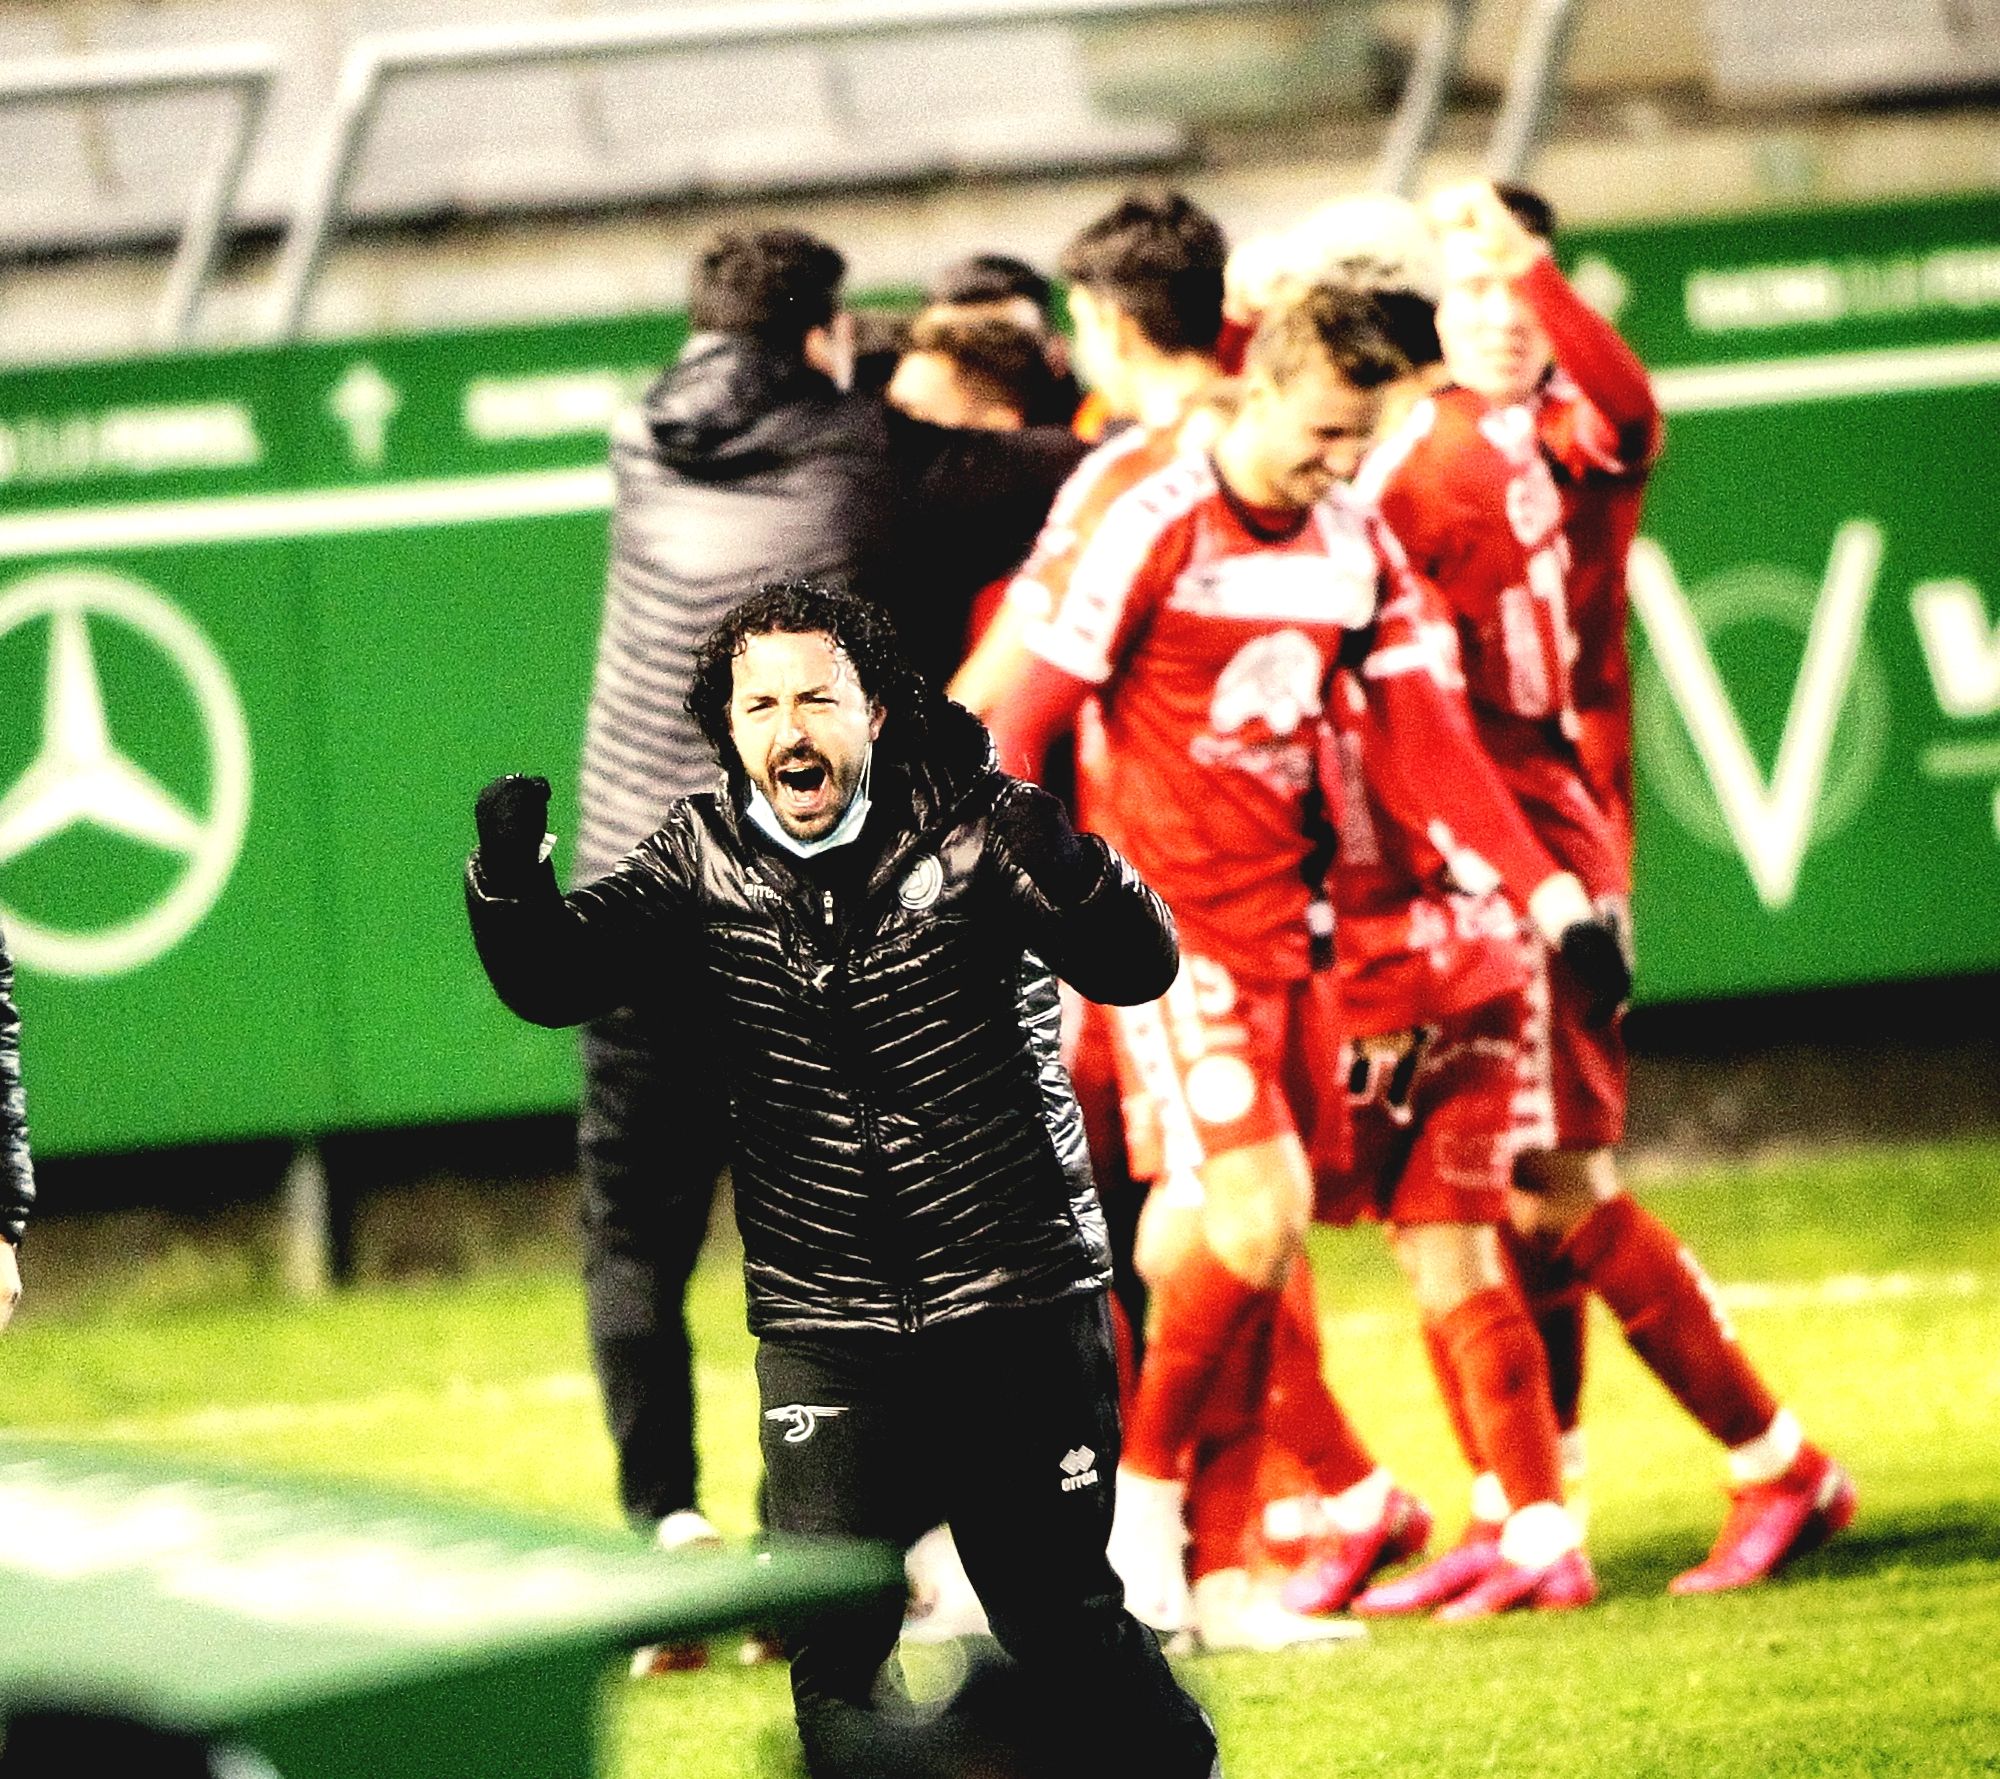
(570, 1388)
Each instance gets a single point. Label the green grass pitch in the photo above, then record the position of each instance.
(1867, 1285)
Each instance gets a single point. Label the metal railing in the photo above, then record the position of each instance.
(373, 63)
(1529, 100)
(249, 70)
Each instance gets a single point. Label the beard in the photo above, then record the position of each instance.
(807, 792)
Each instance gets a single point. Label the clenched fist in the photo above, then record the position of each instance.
(1034, 831)
(512, 814)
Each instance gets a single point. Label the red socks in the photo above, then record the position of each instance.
(1556, 1304)
(1503, 1389)
(1300, 1412)
(1224, 1503)
(1199, 1310)
(1445, 1370)
(1667, 1306)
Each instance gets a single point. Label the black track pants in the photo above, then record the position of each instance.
(649, 1147)
(1005, 1424)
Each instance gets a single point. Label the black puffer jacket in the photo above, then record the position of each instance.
(906, 1144)
(17, 1174)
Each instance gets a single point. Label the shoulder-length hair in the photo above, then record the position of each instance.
(858, 627)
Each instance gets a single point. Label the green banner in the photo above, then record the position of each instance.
(268, 618)
(1817, 668)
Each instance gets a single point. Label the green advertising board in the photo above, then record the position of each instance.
(1817, 664)
(268, 618)
(326, 1631)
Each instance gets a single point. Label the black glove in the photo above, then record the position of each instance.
(513, 815)
(1034, 831)
(1595, 955)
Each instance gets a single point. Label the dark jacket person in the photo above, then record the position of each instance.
(17, 1173)
(862, 927)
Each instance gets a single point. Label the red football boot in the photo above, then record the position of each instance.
(1557, 1587)
(1467, 1563)
(1771, 1523)
(1348, 1558)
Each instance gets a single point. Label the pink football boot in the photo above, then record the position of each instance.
(1771, 1523)
(1347, 1559)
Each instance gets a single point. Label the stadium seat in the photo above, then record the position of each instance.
(49, 138)
(760, 117)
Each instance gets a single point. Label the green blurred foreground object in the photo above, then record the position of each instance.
(336, 1631)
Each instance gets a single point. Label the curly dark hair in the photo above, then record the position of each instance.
(811, 608)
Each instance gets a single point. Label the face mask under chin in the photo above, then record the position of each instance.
(845, 829)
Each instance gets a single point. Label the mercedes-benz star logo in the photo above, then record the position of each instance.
(79, 777)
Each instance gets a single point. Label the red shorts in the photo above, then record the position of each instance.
(1579, 1066)
(1448, 1154)
(1214, 1065)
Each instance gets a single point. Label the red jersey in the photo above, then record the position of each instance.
(1425, 930)
(1498, 506)
(1207, 635)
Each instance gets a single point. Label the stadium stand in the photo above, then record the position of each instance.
(756, 118)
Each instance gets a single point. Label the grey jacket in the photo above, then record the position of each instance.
(740, 467)
(17, 1172)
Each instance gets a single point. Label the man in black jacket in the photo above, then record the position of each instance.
(17, 1173)
(863, 928)
(746, 459)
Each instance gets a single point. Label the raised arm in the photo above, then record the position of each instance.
(559, 960)
(1626, 433)
(1619, 431)
(1080, 907)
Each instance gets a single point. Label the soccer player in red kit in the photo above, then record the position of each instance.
(1516, 490)
(1145, 284)
(1199, 600)
(1438, 977)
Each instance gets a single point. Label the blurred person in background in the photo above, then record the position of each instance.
(864, 920)
(17, 1171)
(743, 456)
(1145, 289)
(1438, 980)
(1197, 600)
(1145, 296)
(999, 287)
(974, 370)
(1433, 976)
(959, 370)
(1516, 491)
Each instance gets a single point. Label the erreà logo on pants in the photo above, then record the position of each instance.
(1079, 1468)
(96, 758)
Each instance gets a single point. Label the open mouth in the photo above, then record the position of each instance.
(804, 779)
